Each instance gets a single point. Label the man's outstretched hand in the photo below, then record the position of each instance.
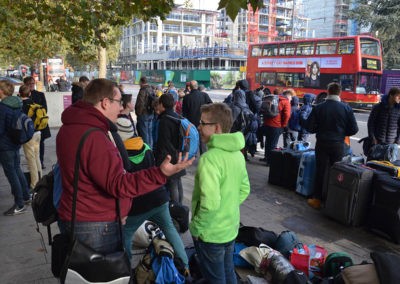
(169, 169)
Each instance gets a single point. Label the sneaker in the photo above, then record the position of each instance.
(15, 210)
(262, 160)
(29, 200)
(314, 203)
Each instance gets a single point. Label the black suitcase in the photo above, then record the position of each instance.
(348, 193)
(180, 216)
(276, 164)
(384, 215)
(291, 164)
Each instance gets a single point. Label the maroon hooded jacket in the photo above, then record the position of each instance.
(102, 177)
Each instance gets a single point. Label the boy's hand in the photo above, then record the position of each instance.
(169, 169)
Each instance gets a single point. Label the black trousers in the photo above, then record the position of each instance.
(326, 154)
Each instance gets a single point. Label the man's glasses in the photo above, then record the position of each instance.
(121, 102)
(202, 123)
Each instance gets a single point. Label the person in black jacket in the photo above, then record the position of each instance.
(384, 119)
(191, 107)
(168, 142)
(78, 88)
(39, 98)
(332, 121)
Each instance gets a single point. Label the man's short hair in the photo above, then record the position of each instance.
(202, 87)
(143, 80)
(194, 85)
(24, 91)
(28, 79)
(126, 99)
(334, 89)
(7, 87)
(394, 91)
(83, 79)
(220, 113)
(99, 89)
(289, 92)
(167, 101)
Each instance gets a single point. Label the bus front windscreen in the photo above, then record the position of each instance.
(370, 47)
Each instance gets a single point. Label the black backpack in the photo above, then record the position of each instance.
(151, 97)
(43, 208)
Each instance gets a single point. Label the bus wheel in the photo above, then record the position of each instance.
(321, 98)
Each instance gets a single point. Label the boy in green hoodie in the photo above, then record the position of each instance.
(221, 185)
(10, 106)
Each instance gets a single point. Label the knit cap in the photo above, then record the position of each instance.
(125, 128)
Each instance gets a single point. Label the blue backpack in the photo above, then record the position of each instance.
(294, 120)
(189, 136)
(22, 128)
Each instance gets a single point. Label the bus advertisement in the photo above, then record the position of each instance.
(309, 65)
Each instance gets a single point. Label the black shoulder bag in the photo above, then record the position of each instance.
(82, 262)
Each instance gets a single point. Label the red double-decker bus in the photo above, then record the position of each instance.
(309, 65)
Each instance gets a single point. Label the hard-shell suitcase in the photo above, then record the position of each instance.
(291, 163)
(276, 167)
(384, 215)
(348, 193)
(385, 166)
(306, 174)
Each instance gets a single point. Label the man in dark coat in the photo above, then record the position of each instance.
(191, 106)
(384, 119)
(39, 98)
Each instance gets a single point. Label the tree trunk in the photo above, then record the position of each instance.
(102, 61)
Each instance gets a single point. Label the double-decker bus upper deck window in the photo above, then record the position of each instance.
(326, 47)
(346, 46)
(287, 48)
(305, 48)
(270, 50)
(256, 50)
(370, 47)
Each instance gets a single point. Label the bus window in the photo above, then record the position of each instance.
(270, 50)
(256, 50)
(367, 83)
(267, 78)
(257, 78)
(347, 82)
(370, 47)
(281, 79)
(346, 46)
(298, 79)
(287, 49)
(326, 47)
(305, 48)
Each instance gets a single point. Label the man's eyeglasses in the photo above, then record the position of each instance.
(202, 123)
(120, 101)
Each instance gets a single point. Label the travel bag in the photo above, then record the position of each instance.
(291, 164)
(383, 217)
(276, 164)
(348, 193)
(385, 166)
(306, 174)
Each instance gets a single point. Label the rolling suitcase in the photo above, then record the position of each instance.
(276, 167)
(348, 193)
(306, 174)
(291, 163)
(384, 215)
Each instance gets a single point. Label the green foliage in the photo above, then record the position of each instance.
(382, 17)
(233, 6)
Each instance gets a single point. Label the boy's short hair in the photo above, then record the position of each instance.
(334, 89)
(220, 113)
(290, 92)
(24, 91)
(167, 101)
(7, 87)
(143, 80)
(83, 79)
(394, 91)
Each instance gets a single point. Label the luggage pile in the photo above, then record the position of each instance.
(284, 259)
(355, 193)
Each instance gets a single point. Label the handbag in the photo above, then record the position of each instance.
(83, 264)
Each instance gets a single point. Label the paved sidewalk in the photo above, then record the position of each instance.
(25, 261)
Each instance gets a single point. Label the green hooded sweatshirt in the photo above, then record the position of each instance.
(13, 102)
(221, 185)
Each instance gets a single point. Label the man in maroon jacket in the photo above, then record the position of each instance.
(102, 178)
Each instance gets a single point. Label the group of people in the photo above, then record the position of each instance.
(10, 107)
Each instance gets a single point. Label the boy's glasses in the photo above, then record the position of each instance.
(202, 123)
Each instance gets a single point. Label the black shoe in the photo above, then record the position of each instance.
(263, 160)
(267, 164)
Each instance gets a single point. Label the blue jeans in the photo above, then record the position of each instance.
(216, 261)
(175, 189)
(10, 160)
(159, 215)
(103, 237)
(271, 140)
(144, 127)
